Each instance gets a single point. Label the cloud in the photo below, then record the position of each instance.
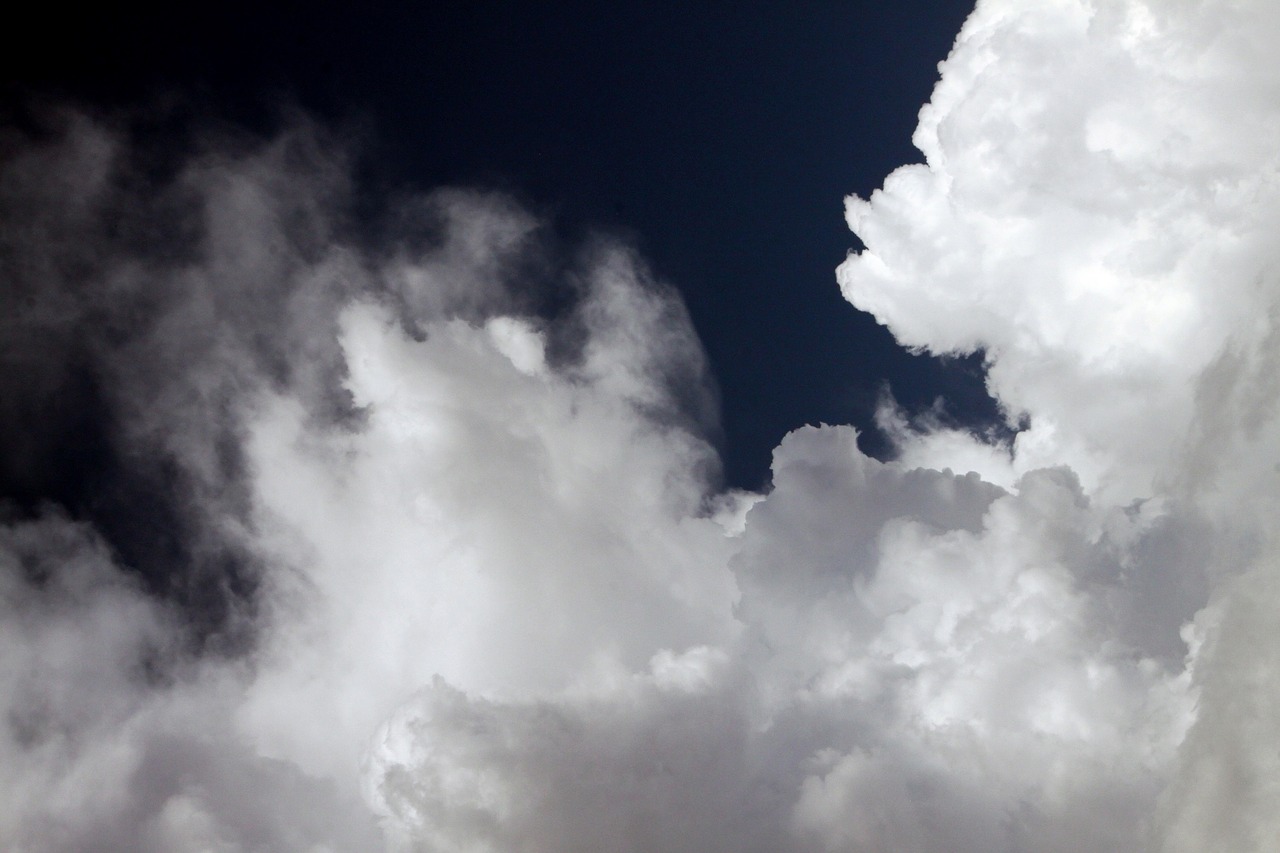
(1093, 212)
(408, 532)
(113, 740)
(370, 463)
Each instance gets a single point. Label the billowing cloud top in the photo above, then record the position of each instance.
(412, 540)
(1095, 212)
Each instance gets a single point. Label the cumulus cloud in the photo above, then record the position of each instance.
(1094, 213)
(372, 464)
(318, 540)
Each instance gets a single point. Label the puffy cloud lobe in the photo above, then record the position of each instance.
(1095, 213)
(502, 526)
(970, 666)
(661, 761)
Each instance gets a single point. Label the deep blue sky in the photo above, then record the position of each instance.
(719, 137)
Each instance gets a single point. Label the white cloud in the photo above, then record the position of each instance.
(416, 479)
(503, 529)
(451, 575)
(1095, 213)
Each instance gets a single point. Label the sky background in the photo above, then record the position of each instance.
(718, 138)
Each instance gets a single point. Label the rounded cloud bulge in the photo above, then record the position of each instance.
(409, 536)
(1094, 212)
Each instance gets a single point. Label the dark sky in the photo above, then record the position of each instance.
(720, 138)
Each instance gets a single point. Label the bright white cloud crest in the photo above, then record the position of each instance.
(496, 604)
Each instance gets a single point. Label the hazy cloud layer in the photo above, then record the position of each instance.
(332, 535)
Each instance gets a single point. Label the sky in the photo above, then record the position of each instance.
(718, 138)
(492, 429)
